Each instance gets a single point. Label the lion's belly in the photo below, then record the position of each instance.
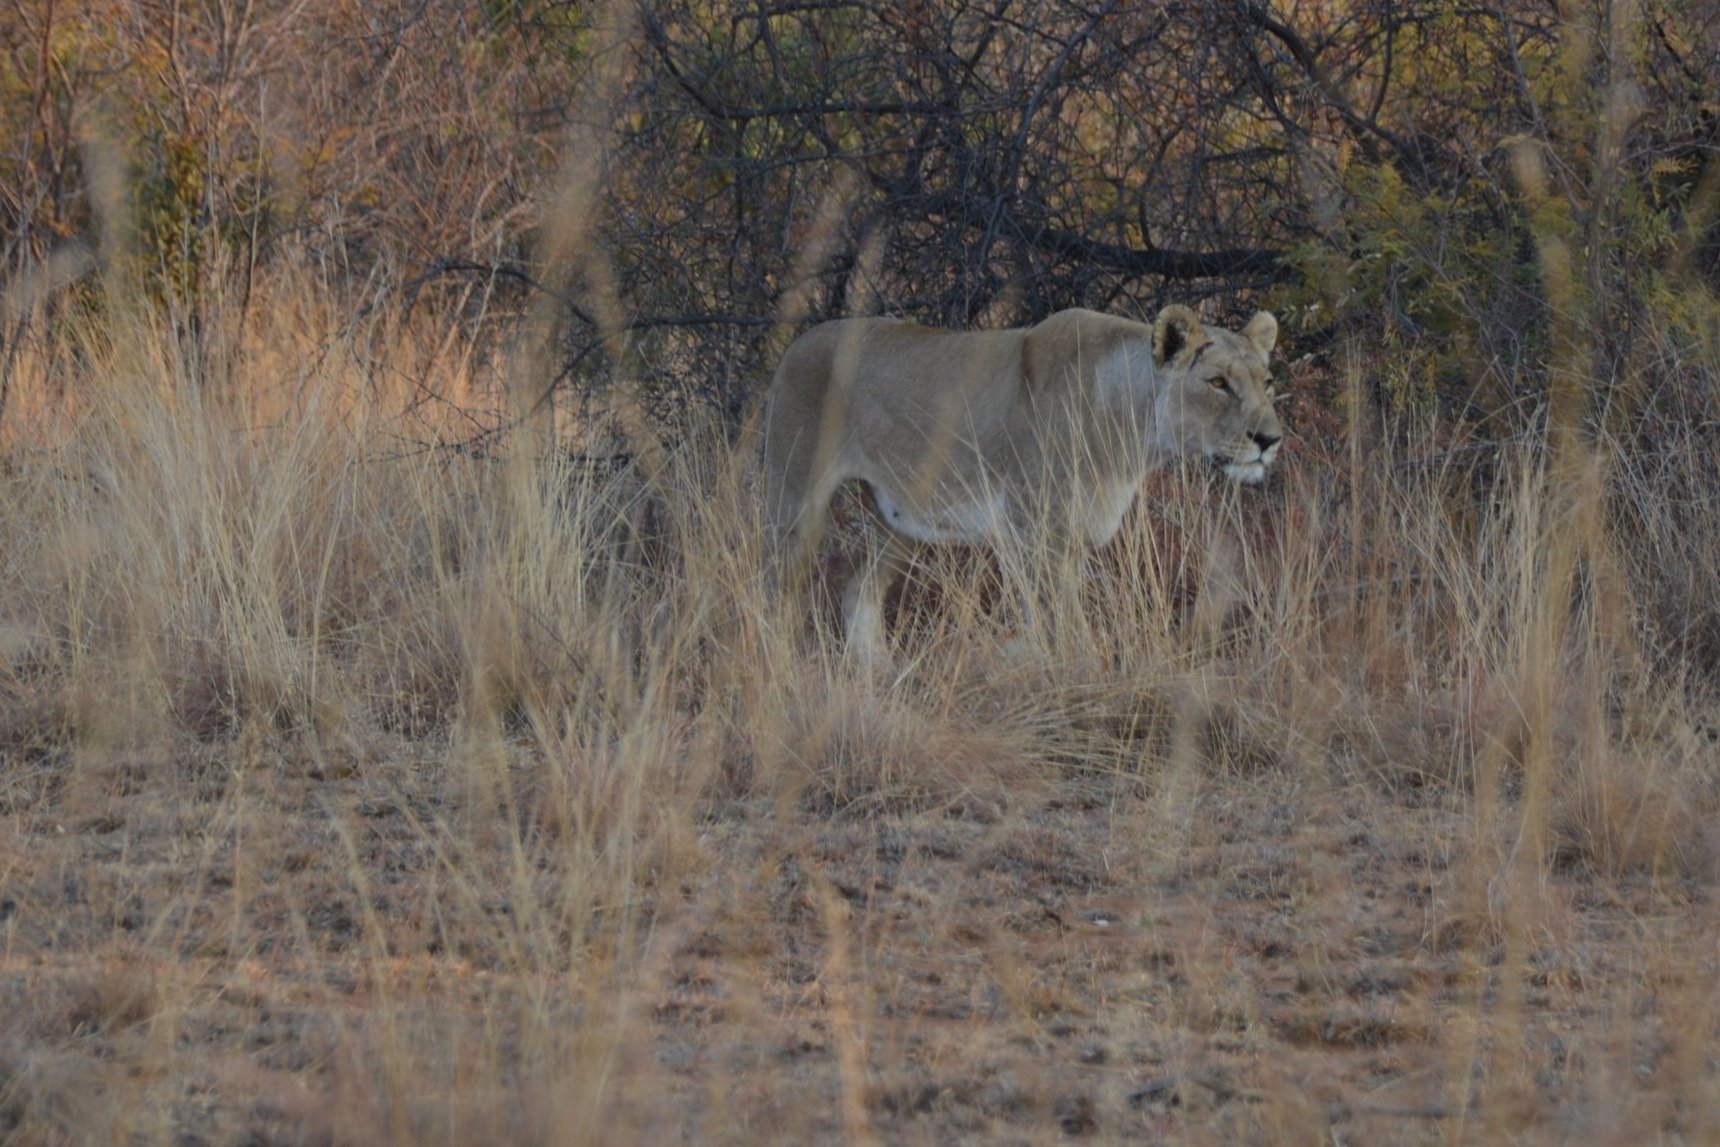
(1101, 511)
(982, 518)
(973, 520)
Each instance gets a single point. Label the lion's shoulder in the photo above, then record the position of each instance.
(1072, 343)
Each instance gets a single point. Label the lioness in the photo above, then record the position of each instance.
(977, 437)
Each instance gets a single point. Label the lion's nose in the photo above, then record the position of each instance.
(1266, 441)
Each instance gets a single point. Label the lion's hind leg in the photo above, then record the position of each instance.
(800, 480)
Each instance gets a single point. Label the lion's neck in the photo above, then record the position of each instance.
(1124, 393)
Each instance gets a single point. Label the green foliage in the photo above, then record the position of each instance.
(1513, 205)
(170, 191)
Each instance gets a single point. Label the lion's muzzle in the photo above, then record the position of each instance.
(1249, 468)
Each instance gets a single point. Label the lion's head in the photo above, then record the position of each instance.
(1216, 399)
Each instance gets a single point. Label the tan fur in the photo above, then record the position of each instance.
(977, 437)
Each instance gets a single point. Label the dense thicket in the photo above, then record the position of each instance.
(1499, 190)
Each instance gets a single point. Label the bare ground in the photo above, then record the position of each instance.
(322, 947)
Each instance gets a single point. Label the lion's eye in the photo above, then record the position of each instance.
(1219, 383)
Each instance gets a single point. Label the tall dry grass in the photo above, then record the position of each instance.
(564, 680)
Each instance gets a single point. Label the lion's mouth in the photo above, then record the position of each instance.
(1250, 473)
(1247, 473)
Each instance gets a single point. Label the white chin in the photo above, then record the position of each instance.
(1247, 473)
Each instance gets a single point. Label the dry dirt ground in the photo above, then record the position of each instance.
(286, 953)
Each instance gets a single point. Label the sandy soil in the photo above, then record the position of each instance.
(286, 953)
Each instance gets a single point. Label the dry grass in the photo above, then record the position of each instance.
(354, 791)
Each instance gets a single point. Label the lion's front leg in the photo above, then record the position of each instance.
(1041, 568)
(887, 554)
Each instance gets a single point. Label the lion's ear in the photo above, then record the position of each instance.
(1262, 331)
(1176, 330)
